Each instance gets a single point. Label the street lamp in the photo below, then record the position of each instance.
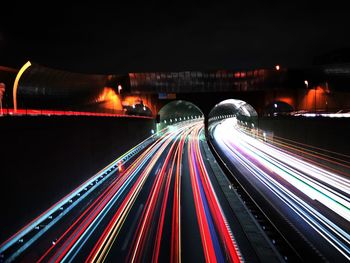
(119, 88)
(315, 90)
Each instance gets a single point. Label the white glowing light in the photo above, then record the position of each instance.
(272, 167)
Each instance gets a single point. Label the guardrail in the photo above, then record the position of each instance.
(38, 112)
(34, 229)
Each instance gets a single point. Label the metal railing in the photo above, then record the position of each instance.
(45, 112)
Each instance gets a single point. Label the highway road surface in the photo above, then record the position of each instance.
(312, 204)
(157, 203)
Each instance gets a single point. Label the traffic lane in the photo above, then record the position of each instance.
(305, 239)
(48, 239)
(217, 238)
(63, 208)
(27, 234)
(123, 241)
(192, 249)
(122, 210)
(246, 248)
(151, 208)
(303, 177)
(115, 180)
(301, 185)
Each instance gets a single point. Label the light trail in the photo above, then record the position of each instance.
(152, 187)
(49, 113)
(205, 201)
(101, 249)
(295, 182)
(80, 192)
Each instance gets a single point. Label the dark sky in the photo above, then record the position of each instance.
(107, 38)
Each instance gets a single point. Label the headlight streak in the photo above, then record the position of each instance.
(339, 159)
(148, 215)
(315, 190)
(112, 230)
(160, 225)
(156, 200)
(176, 229)
(120, 185)
(109, 198)
(285, 194)
(105, 243)
(268, 164)
(319, 174)
(301, 151)
(65, 200)
(298, 173)
(175, 250)
(96, 227)
(204, 195)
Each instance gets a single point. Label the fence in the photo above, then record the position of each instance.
(44, 112)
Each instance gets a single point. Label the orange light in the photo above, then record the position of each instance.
(287, 100)
(120, 167)
(110, 98)
(15, 84)
(132, 100)
(314, 97)
(277, 67)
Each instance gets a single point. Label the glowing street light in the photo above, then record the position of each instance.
(315, 90)
(15, 84)
(277, 67)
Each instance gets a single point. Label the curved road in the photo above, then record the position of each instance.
(313, 202)
(162, 207)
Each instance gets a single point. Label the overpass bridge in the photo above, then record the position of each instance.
(80, 144)
(267, 90)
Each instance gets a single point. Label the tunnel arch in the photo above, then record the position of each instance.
(177, 111)
(240, 109)
(277, 108)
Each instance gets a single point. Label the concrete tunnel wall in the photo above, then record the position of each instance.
(233, 107)
(177, 111)
(44, 158)
(327, 133)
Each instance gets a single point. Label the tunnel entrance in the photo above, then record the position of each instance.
(242, 111)
(177, 111)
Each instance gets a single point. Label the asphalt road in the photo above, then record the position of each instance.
(308, 204)
(162, 205)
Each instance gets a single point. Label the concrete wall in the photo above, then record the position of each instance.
(327, 133)
(44, 158)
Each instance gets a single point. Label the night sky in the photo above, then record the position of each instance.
(106, 38)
